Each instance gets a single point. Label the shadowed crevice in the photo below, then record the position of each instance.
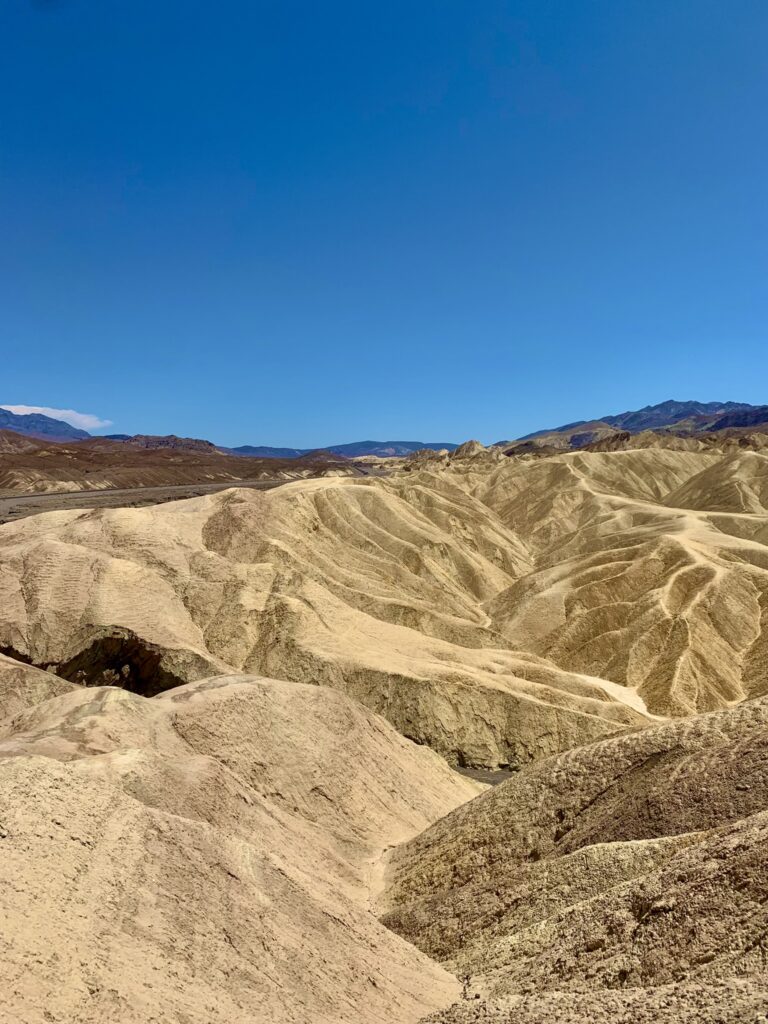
(122, 659)
(118, 657)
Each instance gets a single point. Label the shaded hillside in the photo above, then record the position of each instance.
(750, 417)
(628, 876)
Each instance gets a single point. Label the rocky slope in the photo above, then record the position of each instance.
(499, 610)
(209, 856)
(29, 466)
(198, 834)
(377, 588)
(637, 863)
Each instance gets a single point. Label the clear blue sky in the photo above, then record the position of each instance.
(306, 223)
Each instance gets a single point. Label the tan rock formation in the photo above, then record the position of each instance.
(209, 856)
(189, 839)
(634, 863)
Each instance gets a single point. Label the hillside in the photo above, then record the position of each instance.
(623, 880)
(671, 418)
(217, 721)
(208, 856)
(548, 602)
(29, 466)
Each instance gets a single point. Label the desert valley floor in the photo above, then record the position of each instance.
(230, 728)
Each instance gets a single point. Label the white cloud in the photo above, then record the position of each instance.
(83, 420)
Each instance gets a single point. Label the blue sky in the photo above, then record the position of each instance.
(300, 223)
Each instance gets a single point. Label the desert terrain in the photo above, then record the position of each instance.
(241, 736)
(31, 465)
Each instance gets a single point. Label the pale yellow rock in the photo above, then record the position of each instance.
(22, 686)
(377, 588)
(210, 855)
(209, 838)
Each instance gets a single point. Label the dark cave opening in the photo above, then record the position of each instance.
(118, 658)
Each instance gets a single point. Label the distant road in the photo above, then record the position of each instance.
(18, 506)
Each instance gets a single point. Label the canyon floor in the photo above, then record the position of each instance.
(230, 727)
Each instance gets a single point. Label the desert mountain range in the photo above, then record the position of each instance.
(39, 425)
(47, 428)
(687, 419)
(30, 465)
(705, 421)
(244, 735)
(382, 449)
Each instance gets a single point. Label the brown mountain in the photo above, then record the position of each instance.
(33, 466)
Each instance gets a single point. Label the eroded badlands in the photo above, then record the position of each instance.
(228, 726)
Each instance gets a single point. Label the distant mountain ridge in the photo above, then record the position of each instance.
(259, 451)
(49, 429)
(384, 449)
(37, 425)
(745, 417)
(668, 413)
(671, 418)
(355, 449)
(665, 414)
(681, 418)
